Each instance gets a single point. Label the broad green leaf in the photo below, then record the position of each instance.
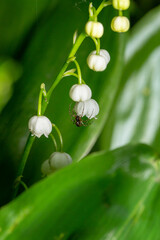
(106, 196)
(42, 62)
(16, 20)
(136, 113)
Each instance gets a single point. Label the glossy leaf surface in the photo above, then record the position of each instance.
(105, 196)
(136, 113)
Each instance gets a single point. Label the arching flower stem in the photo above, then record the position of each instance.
(54, 141)
(74, 75)
(59, 135)
(78, 71)
(103, 5)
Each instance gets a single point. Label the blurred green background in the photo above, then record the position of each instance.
(35, 39)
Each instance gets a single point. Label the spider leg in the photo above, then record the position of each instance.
(72, 114)
(85, 125)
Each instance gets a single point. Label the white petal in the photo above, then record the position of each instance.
(80, 108)
(32, 122)
(105, 54)
(92, 108)
(89, 108)
(80, 92)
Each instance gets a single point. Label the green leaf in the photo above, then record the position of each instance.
(136, 113)
(105, 196)
(16, 21)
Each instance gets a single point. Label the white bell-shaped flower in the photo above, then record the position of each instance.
(121, 4)
(120, 24)
(59, 160)
(99, 62)
(39, 125)
(89, 108)
(80, 92)
(45, 168)
(94, 29)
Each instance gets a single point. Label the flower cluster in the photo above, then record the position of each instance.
(40, 125)
(97, 60)
(80, 93)
(120, 23)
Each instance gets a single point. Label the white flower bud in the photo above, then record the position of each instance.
(121, 4)
(39, 125)
(94, 29)
(99, 62)
(45, 168)
(59, 160)
(80, 92)
(89, 108)
(120, 24)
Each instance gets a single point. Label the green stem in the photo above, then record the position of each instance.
(23, 163)
(59, 135)
(54, 141)
(92, 13)
(103, 5)
(75, 75)
(120, 13)
(97, 44)
(75, 48)
(24, 185)
(41, 94)
(40, 102)
(78, 71)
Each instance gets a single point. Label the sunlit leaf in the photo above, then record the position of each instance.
(136, 113)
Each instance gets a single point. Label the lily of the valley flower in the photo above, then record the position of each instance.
(121, 4)
(94, 29)
(120, 24)
(80, 92)
(59, 160)
(98, 62)
(89, 108)
(45, 168)
(56, 161)
(39, 125)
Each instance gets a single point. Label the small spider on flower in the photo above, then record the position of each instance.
(88, 109)
(77, 119)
